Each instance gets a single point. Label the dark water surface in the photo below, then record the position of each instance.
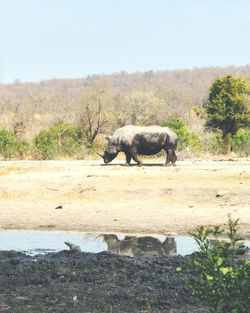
(36, 242)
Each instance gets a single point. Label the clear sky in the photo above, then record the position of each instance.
(42, 39)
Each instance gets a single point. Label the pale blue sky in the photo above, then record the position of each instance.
(42, 39)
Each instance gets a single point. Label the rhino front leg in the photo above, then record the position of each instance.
(128, 158)
(134, 155)
(174, 158)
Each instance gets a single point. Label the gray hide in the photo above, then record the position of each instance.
(138, 140)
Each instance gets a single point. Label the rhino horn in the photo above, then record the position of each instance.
(101, 155)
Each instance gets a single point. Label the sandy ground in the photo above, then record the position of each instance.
(115, 198)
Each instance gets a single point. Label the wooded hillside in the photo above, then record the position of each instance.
(117, 99)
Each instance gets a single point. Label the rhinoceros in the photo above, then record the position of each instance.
(138, 140)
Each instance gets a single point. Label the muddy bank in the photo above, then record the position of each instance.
(67, 282)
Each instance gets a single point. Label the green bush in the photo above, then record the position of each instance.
(7, 143)
(186, 138)
(61, 140)
(66, 139)
(23, 149)
(10, 146)
(220, 278)
(241, 142)
(45, 145)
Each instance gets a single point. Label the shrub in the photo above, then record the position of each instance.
(186, 138)
(10, 146)
(23, 149)
(45, 145)
(61, 140)
(241, 142)
(220, 278)
(212, 142)
(65, 138)
(7, 143)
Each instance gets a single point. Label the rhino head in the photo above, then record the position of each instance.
(110, 153)
(108, 156)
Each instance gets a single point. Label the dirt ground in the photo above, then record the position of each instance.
(113, 198)
(89, 196)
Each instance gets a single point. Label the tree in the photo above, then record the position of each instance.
(143, 108)
(228, 106)
(94, 110)
(20, 122)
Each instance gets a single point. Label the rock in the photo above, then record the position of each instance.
(73, 247)
(75, 300)
(59, 207)
(220, 194)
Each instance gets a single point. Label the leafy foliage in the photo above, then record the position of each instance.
(213, 142)
(59, 140)
(23, 149)
(7, 143)
(186, 138)
(45, 145)
(228, 106)
(241, 142)
(220, 278)
(66, 139)
(10, 146)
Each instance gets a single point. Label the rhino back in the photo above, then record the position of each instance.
(125, 135)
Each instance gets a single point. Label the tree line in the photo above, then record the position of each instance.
(186, 100)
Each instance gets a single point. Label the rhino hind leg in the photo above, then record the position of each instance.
(171, 157)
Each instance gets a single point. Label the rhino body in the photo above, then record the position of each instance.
(138, 140)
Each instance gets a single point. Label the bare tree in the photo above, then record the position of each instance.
(19, 123)
(144, 108)
(95, 105)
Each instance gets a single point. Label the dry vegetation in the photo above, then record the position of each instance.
(138, 98)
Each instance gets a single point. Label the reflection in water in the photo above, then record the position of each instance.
(34, 242)
(134, 246)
